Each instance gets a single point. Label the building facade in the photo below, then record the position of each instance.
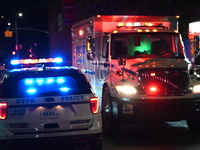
(61, 16)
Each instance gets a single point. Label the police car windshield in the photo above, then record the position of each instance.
(146, 45)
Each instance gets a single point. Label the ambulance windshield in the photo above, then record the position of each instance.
(146, 45)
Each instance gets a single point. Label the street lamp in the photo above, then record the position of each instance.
(16, 32)
(20, 14)
(16, 29)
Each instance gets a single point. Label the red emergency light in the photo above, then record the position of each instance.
(153, 89)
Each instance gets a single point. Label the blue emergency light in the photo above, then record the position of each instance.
(34, 86)
(64, 89)
(31, 91)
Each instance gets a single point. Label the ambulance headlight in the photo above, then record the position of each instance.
(196, 89)
(126, 89)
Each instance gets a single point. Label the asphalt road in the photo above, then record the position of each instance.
(164, 136)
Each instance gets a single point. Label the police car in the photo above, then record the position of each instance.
(40, 100)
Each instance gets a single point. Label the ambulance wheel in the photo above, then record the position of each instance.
(111, 126)
(194, 125)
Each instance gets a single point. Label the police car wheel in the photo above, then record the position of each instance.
(111, 126)
(194, 125)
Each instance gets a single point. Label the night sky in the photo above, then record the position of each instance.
(34, 17)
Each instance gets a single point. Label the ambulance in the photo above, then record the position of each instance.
(137, 65)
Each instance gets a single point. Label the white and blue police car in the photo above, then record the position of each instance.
(39, 99)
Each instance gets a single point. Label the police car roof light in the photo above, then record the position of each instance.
(36, 61)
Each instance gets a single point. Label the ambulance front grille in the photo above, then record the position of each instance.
(164, 81)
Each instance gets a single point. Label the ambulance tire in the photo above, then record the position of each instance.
(99, 146)
(194, 125)
(111, 126)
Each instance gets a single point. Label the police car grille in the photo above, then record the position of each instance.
(166, 81)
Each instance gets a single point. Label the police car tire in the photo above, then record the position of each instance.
(194, 125)
(111, 126)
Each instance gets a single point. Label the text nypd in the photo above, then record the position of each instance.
(63, 98)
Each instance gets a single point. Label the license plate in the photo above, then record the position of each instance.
(49, 114)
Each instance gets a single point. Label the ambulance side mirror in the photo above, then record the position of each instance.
(197, 60)
(90, 47)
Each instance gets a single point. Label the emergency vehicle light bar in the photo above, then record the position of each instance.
(139, 24)
(36, 61)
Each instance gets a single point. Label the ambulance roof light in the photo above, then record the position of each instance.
(129, 25)
(121, 24)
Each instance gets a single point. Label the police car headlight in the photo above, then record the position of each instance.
(196, 89)
(126, 89)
